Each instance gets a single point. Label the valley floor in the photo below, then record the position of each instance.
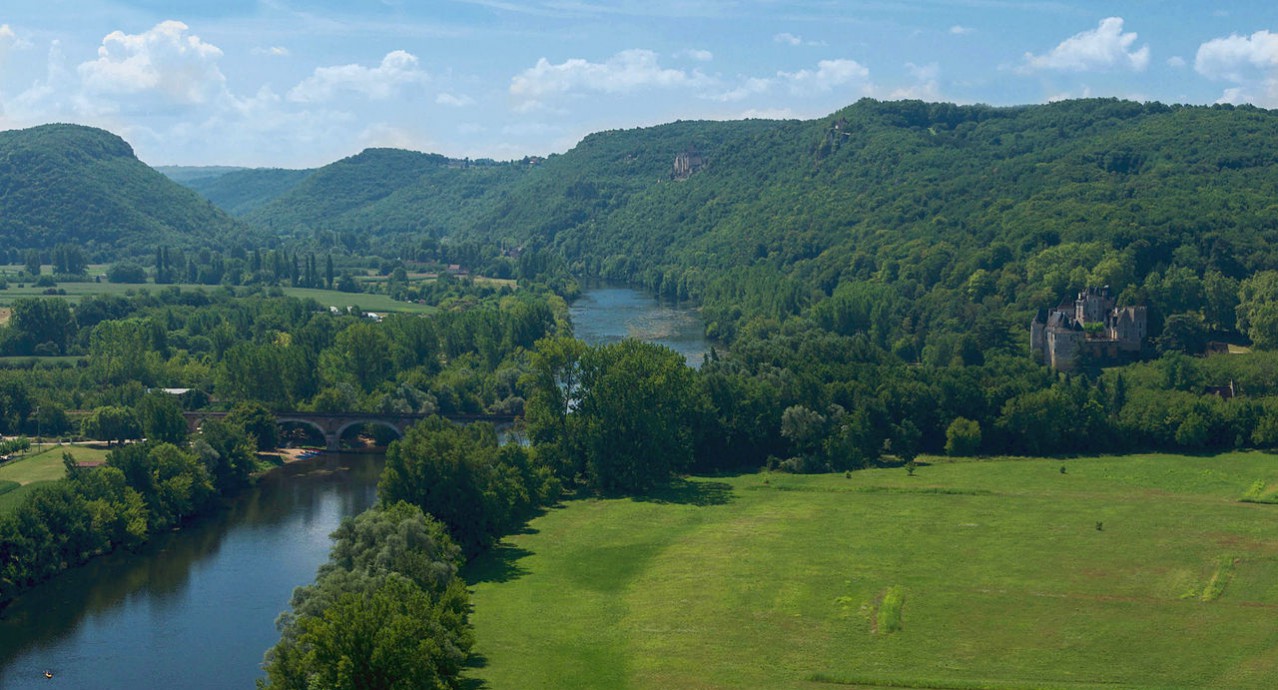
(1138, 571)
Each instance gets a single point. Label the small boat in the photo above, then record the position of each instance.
(48, 674)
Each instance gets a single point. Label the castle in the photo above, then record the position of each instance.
(1065, 337)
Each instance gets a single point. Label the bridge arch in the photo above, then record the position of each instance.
(341, 430)
(319, 428)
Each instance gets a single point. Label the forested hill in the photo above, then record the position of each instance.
(935, 200)
(380, 193)
(242, 191)
(73, 184)
(942, 206)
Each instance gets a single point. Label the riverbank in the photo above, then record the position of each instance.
(194, 608)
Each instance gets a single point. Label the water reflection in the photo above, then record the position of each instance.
(608, 314)
(192, 609)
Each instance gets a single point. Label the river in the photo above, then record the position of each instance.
(196, 608)
(607, 314)
(192, 609)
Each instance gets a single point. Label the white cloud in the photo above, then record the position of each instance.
(766, 114)
(959, 30)
(272, 51)
(626, 72)
(793, 40)
(397, 69)
(167, 60)
(383, 135)
(1230, 58)
(926, 86)
(1085, 92)
(454, 101)
(10, 40)
(1249, 62)
(1104, 48)
(828, 75)
(7, 41)
(698, 55)
(1176, 61)
(750, 87)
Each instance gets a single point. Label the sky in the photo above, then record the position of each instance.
(301, 83)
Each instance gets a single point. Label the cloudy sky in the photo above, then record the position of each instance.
(297, 83)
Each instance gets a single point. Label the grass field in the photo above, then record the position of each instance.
(23, 475)
(1141, 571)
(76, 291)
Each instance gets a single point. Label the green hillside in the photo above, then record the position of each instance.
(184, 174)
(240, 191)
(385, 193)
(73, 184)
(946, 206)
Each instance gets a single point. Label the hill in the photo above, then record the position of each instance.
(943, 205)
(74, 184)
(1133, 572)
(239, 192)
(183, 174)
(385, 194)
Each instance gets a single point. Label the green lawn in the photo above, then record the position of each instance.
(38, 468)
(76, 291)
(986, 574)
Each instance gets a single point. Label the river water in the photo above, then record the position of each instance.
(609, 314)
(196, 608)
(192, 609)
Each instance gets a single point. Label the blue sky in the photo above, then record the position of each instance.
(297, 83)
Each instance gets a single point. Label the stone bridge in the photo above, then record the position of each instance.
(333, 424)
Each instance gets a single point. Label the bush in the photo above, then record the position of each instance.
(126, 272)
(963, 437)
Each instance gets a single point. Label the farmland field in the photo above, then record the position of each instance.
(24, 474)
(1139, 571)
(76, 291)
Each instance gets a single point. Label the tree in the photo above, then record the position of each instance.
(554, 382)
(16, 405)
(42, 322)
(632, 415)
(161, 418)
(111, 424)
(172, 482)
(126, 272)
(256, 421)
(226, 454)
(1183, 333)
(386, 611)
(1257, 310)
(118, 351)
(360, 352)
(446, 470)
(963, 437)
(69, 259)
(32, 259)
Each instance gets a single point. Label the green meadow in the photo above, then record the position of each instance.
(1141, 571)
(77, 291)
(42, 465)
